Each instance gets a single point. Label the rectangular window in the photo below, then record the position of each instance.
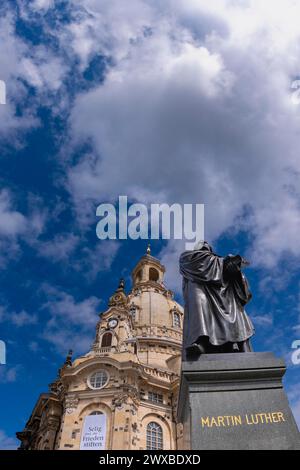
(176, 320)
(155, 397)
(133, 312)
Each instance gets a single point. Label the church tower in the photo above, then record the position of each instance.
(122, 394)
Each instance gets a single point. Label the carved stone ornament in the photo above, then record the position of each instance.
(71, 404)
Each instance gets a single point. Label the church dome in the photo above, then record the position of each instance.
(152, 307)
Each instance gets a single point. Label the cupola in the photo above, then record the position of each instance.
(148, 269)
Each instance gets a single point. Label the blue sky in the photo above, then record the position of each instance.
(174, 101)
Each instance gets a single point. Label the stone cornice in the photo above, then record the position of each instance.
(159, 341)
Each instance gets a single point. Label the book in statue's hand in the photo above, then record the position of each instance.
(232, 267)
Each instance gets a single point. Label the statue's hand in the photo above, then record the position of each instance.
(232, 266)
(245, 262)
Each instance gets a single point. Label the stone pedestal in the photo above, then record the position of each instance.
(236, 401)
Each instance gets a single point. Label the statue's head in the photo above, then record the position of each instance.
(202, 244)
(199, 245)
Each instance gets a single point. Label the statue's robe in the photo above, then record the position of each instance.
(214, 304)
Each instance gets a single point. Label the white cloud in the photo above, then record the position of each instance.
(105, 28)
(18, 319)
(71, 248)
(63, 305)
(296, 412)
(72, 323)
(43, 72)
(9, 250)
(7, 442)
(265, 320)
(59, 248)
(24, 64)
(296, 327)
(34, 346)
(23, 318)
(196, 108)
(64, 339)
(9, 374)
(12, 49)
(15, 226)
(12, 223)
(294, 399)
(42, 4)
(98, 259)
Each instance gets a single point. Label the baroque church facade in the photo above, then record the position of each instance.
(123, 393)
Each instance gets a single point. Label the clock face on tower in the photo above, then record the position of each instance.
(112, 323)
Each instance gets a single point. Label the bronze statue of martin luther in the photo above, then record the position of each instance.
(215, 292)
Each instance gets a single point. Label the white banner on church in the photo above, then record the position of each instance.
(93, 433)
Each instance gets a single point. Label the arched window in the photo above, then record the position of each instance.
(153, 274)
(154, 436)
(138, 276)
(176, 320)
(106, 340)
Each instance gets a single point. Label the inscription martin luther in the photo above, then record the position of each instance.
(240, 420)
